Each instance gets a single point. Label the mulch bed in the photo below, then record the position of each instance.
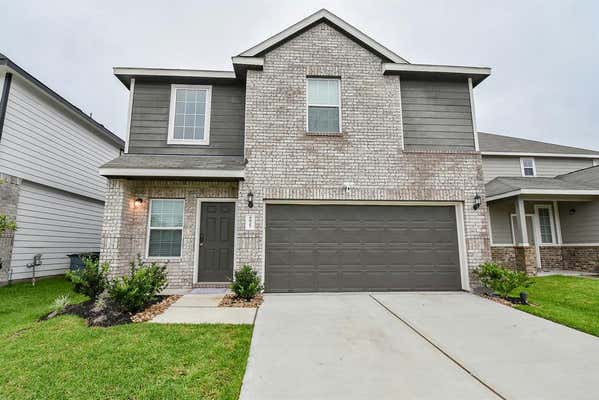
(510, 302)
(230, 300)
(104, 313)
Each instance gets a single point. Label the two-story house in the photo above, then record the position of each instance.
(50, 152)
(323, 159)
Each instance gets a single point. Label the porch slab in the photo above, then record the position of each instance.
(207, 315)
(198, 300)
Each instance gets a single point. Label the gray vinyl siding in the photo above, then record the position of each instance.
(42, 142)
(150, 114)
(547, 167)
(583, 226)
(436, 115)
(501, 228)
(53, 223)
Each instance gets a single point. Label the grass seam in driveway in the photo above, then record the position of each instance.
(439, 348)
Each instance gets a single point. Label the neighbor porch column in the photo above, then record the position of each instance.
(521, 218)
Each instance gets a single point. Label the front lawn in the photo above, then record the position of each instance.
(568, 300)
(64, 359)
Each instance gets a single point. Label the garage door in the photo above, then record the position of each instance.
(311, 248)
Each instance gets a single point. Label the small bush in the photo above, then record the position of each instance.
(91, 279)
(144, 282)
(501, 280)
(247, 283)
(60, 303)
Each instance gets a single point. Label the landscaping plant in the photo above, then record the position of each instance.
(502, 280)
(144, 282)
(247, 283)
(91, 279)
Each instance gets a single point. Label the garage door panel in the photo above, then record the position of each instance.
(361, 248)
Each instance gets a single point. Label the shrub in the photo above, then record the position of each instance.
(247, 283)
(91, 279)
(60, 303)
(501, 280)
(144, 282)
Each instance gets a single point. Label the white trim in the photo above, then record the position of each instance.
(473, 115)
(521, 219)
(2, 76)
(308, 105)
(522, 167)
(171, 119)
(503, 244)
(537, 235)
(548, 207)
(571, 192)
(596, 244)
(173, 72)
(490, 227)
(403, 142)
(430, 68)
(196, 241)
(460, 224)
(130, 114)
(558, 224)
(595, 162)
(248, 61)
(513, 231)
(149, 229)
(526, 154)
(322, 14)
(188, 173)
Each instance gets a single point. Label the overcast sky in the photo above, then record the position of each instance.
(544, 54)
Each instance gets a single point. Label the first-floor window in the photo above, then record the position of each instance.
(166, 227)
(545, 224)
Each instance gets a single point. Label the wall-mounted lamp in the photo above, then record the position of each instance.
(138, 202)
(347, 186)
(250, 199)
(572, 211)
(476, 204)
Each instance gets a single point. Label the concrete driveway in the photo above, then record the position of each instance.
(413, 346)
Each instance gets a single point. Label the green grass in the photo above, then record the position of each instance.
(568, 300)
(64, 359)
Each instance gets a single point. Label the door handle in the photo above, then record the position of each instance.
(201, 239)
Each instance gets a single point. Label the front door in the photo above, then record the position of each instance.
(217, 226)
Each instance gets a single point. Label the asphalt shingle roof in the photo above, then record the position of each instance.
(143, 161)
(489, 142)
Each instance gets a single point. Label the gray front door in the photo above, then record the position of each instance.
(313, 248)
(217, 226)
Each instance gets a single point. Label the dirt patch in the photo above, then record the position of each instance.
(105, 313)
(230, 300)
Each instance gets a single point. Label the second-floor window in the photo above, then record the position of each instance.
(324, 105)
(528, 167)
(189, 118)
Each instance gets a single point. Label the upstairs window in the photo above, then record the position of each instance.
(528, 167)
(324, 105)
(165, 230)
(189, 118)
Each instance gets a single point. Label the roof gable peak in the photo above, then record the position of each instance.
(311, 20)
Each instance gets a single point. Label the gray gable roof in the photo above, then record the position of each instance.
(489, 142)
(139, 161)
(502, 185)
(587, 176)
(8, 63)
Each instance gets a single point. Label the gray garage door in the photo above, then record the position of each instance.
(311, 248)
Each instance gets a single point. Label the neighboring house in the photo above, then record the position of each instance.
(50, 152)
(324, 160)
(543, 202)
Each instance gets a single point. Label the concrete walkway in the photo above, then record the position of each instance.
(413, 346)
(203, 309)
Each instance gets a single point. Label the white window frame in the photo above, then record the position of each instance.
(308, 105)
(548, 207)
(149, 230)
(534, 166)
(171, 118)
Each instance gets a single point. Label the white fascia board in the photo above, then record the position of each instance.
(524, 154)
(447, 69)
(184, 73)
(335, 20)
(569, 192)
(249, 61)
(175, 172)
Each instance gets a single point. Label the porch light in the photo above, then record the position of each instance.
(250, 199)
(138, 202)
(572, 211)
(476, 205)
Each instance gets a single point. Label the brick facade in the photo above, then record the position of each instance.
(125, 227)
(9, 200)
(285, 163)
(570, 258)
(519, 258)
